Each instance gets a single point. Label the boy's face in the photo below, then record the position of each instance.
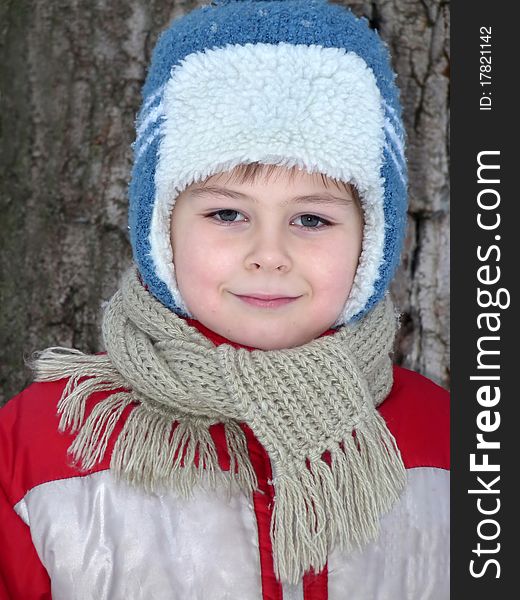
(267, 264)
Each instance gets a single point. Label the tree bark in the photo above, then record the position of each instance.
(70, 75)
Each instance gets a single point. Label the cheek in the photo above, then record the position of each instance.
(201, 261)
(333, 267)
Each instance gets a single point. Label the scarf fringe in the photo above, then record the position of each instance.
(97, 372)
(152, 451)
(321, 506)
(57, 362)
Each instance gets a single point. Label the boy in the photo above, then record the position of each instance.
(245, 435)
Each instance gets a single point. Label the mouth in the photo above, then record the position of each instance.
(267, 300)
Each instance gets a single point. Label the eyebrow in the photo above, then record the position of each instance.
(319, 198)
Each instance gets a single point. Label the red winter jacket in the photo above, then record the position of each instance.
(70, 535)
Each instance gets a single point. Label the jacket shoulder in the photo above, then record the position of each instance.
(417, 412)
(32, 448)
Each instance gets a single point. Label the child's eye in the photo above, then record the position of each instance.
(312, 221)
(234, 216)
(227, 215)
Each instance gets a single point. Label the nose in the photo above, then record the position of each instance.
(268, 251)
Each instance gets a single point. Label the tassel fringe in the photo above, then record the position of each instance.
(156, 454)
(321, 506)
(152, 451)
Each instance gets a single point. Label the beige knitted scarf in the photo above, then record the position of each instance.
(299, 402)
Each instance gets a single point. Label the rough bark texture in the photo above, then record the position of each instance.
(70, 75)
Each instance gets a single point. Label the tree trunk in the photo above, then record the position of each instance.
(70, 76)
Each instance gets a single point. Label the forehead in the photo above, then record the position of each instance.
(262, 174)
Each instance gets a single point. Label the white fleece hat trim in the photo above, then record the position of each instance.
(290, 105)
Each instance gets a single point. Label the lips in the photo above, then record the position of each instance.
(266, 300)
(260, 296)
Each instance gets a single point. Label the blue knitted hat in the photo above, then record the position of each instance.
(287, 82)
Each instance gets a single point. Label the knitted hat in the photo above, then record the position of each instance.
(285, 82)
